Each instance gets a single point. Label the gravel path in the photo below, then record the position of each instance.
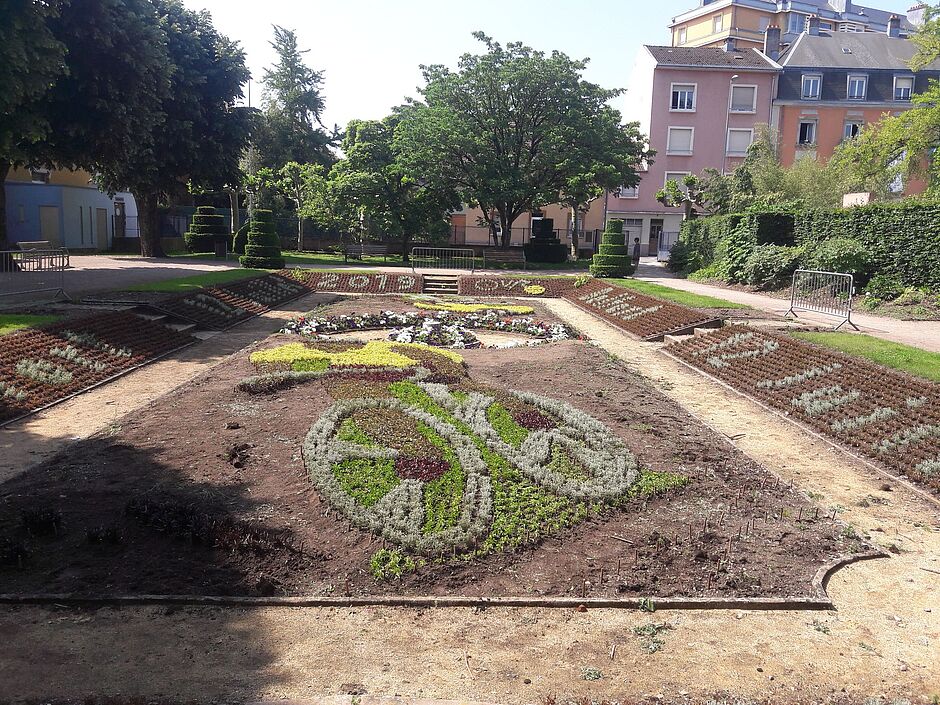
(882, 641)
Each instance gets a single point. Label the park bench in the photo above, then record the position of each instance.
(358, 251)
(41, 255)
(513, 255)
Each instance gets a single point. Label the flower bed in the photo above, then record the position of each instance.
(42, 365)
(434, 332)
(543, 287)
(885, 415)
(220, 307)
(489, 320)
(377, 283)
(460, 307)
(644, 316)
(429, 461)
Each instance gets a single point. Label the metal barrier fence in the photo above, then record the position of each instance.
(33, 271)
(442, 258)
(829, 293)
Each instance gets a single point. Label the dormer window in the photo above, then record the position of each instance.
(858, 87)
(903, 87)
(797, 23)
(812, 86)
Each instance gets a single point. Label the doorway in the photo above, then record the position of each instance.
(49, 225)
(656, 233)
(101, 227)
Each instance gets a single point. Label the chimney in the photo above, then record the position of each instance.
(915, 16)
(842, 6)
(772, 43)
(894, 26)
(813, 25)
(729, 44)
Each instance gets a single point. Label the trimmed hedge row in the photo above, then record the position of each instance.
(900, 239)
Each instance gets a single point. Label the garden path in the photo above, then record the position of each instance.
(920, 334)
(882, 641)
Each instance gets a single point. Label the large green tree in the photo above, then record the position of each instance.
(395, 199)
(201, 131)
(82, 82)
(290, 128)
(506, 130)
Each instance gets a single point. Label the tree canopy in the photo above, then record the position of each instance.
(513, 129)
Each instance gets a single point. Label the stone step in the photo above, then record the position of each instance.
(181, 327)
(152, 317)
(669, 339)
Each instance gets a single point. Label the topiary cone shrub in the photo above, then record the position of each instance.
(240, 239)
(207, 230)
(263, 248)
(613, 258)
(544, 246)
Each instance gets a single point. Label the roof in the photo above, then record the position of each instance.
(864, 50)
(711, 57)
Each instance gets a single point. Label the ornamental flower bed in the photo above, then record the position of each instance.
(40, 366)
(220, 307)
(377, 283)
(644, 316)
(887, 416)
(493, 320)
(543, 287)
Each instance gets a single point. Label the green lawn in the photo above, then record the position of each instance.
(900, 357)
(685, 298)
(10, 322)
(197, 281)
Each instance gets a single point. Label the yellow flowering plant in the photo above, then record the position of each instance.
(473, 308)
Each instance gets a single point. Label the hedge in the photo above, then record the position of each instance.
(613, 258)
(207, 228)
(901, 239)
(544, 246)
(263, 248)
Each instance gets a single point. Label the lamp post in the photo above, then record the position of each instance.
(724, 158)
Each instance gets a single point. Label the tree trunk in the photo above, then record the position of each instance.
(236, 216)
(300, 232)
(574, 235)
(507, 231)
(4, 170)
(148, 221)
(406, 248)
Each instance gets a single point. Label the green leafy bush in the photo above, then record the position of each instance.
(769, 266)
(207, 228)
(839, 254)
(716, 271)
(240, 239)
(885, 287)
(613, 258)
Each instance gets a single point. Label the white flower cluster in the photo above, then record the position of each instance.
(906, 437)
(214, 306)
(732, 341)
(90, 340)
(619, 305)
(724, 360)
(799, 378)
(610, 466)
(398, 283)
(73, 355)
(399, 516)
(823, 400)
(850, 424)
(433, 331)
(271, 289)
(43, 371)
(915, 402)
(929, 468)
(9, 391)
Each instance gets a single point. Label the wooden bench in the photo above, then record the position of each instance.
(34, 245)
(41, 255)
(361, 250)
(513, 255)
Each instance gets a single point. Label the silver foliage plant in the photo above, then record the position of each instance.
(399, 516)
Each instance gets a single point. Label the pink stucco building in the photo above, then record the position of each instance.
(700, 106)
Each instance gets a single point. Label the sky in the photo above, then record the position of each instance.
(370, 50)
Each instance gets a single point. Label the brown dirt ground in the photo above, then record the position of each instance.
(878, 648)
(179, 454)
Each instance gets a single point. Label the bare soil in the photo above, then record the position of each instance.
(205, 493)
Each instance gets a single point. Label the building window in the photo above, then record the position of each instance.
(677, 176)
(858, 87)
(807, 136)
(739, 141)
(825, 26)
(903, 87)
(797, 23)
(850, 27)
(851, 129)
(812, 85)
(679, 140)
(39, 176)
(682, 35)
(743, 99)
(683, 97)
(718, 23)
(629, 192)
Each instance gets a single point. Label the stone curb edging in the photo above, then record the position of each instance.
(814, 433)
(818, 603)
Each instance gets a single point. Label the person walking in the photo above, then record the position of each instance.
(636, 251)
